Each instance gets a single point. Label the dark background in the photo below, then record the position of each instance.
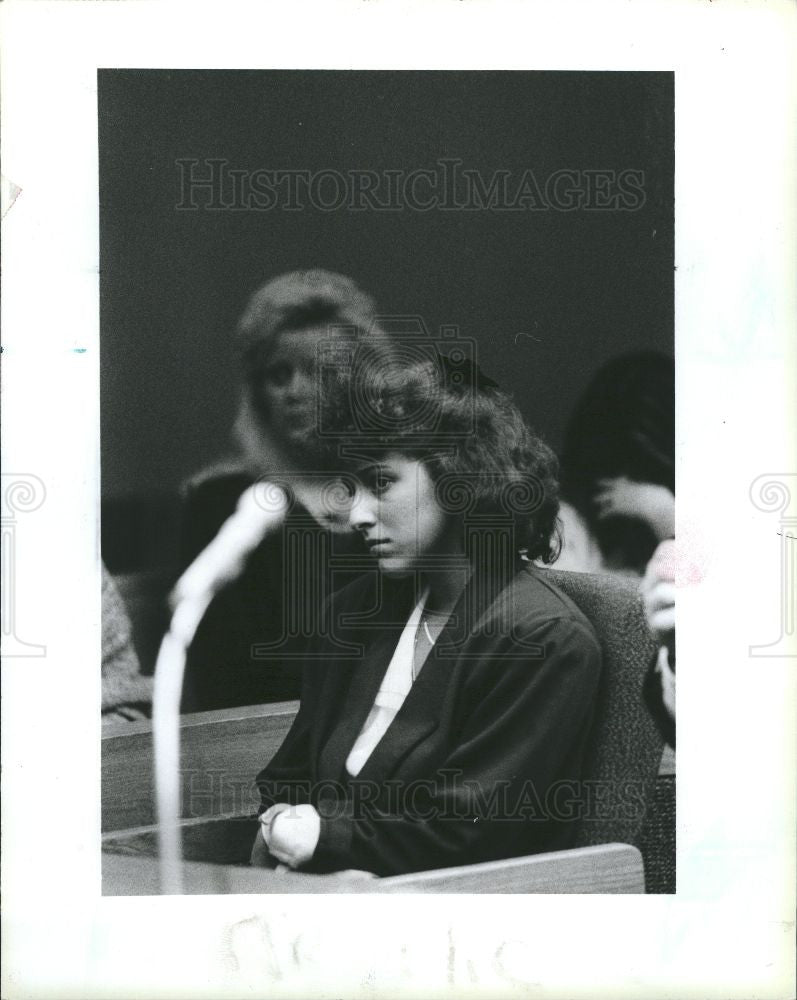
(586, 285)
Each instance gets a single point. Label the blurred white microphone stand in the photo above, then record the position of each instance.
(261, 508)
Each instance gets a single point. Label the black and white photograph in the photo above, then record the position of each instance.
(388, 481)
(393, 392)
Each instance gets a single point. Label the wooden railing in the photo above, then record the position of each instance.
(609, 868)
(220, 753)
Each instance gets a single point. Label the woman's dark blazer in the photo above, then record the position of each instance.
(484, 757)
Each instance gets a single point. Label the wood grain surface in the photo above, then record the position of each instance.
(610, 868)
(221, 752)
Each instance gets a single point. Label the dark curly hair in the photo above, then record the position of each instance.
(487, 465)
(623, 425)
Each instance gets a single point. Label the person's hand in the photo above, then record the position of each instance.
(658, 592)
(291, 832)
(649, 502)
(666, 677)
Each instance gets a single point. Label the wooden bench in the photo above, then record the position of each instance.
(221, 752)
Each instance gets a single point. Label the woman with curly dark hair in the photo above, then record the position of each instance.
(448, 698)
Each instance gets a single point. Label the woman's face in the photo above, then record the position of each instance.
(288, 389)
(395, 508)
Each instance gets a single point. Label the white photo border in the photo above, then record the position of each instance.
(729, 930)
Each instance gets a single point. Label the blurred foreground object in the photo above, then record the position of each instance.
(658, 596)
(126, 694)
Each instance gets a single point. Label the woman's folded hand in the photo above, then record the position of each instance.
(291, 832)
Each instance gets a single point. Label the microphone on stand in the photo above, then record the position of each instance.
(261, 509)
